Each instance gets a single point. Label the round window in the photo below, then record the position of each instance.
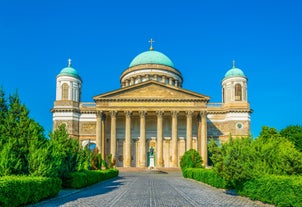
(239, 126)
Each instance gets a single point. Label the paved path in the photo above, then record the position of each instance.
(149, 189)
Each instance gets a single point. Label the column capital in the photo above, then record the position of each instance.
(174, 113)
(201, 114)
(128, 113)
(160, 113)
(189, 113)
(113, 113)
(101, 114)
(142, 113)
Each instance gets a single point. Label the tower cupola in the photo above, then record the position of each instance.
(234, 86)
(69, 84)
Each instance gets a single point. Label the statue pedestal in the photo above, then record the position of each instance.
(151, 162)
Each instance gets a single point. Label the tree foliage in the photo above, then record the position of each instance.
(294, 134)
(24, 149)
(60, 156)
(242, 159)
(19, 136)
(191, 159)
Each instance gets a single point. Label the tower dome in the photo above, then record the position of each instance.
(234, 86)
(69, 84)
(234, 72)
(69, 71)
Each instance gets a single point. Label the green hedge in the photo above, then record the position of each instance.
(21, 190)
(277, 190)
(88, 177)
(206, 176)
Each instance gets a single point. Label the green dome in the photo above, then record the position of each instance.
(151, 57)
(234, 72)
(69, 71)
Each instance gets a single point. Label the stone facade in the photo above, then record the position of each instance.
(151, 111)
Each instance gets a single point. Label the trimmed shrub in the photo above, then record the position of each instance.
(88, 177)
(206, 176)
(191, 159)
(277, 190)
(21, 190)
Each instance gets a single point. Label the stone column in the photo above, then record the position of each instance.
(174, 139)
(204, 149)
(98, 132)
(103, 143)
(170, 81)
(159, 150)
(142, 131)
(199, 134)
(189, 130)
(113, 135)
(127, 159)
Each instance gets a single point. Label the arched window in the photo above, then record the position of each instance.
(238, 92)
(65, 89)
(223, 98)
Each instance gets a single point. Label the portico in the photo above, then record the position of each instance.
(133, 145)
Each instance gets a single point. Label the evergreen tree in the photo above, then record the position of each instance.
(19, 136)
(3, 115)
(60, 156)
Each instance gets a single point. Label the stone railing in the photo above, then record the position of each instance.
(87, 105)
(214, 105)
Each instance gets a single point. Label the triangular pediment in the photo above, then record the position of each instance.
(152, 90)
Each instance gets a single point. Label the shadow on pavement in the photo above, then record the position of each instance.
(68, 195)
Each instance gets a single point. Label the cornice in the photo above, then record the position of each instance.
(150, 100)
(230, 111)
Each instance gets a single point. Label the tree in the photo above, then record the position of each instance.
(59, 157)
(3, 115)
(277, 154)
(233, 160)
(191, 159)
(241, 159)
(19, 135)
(293, 133)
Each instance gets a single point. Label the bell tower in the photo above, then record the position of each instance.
(68, 97)
(235, 102)
(234, 86)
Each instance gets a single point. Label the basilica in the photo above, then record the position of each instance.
(151, 114)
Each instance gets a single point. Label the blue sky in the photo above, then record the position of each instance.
(200, 37)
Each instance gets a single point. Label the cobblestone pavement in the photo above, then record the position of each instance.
(149, 189)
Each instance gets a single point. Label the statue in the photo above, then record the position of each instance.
(151, 151)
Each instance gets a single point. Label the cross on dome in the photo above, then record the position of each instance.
(69, 62)
(151, 42)
(234, 66)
